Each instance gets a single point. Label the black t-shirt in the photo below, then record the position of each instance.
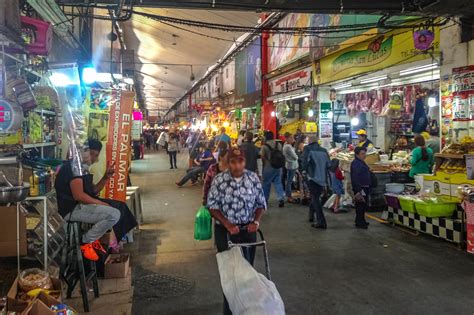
(66, 202)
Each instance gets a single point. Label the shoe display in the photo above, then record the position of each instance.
(89, 252)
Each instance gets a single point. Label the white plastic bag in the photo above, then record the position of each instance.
(329, 202)
(247, 291)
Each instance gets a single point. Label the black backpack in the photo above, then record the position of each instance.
(277, 159)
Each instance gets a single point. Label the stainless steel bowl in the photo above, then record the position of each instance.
(14, 194)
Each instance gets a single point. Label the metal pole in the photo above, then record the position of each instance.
(18, 236)
(45, 244)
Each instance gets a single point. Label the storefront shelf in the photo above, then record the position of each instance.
(38, 145)
(45, 112)
(450, 156)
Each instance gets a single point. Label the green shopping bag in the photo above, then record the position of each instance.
(202, 225)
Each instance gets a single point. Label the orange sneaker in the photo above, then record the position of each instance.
(98, 246)
(89, 252)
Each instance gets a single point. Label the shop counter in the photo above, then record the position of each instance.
(449, 229)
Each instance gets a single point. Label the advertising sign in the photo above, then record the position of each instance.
(228, 77)
(285, 48)
(290, 82)
(216, 85)
(384, 51)
(463, 95)
(118, 144)
(248, 75)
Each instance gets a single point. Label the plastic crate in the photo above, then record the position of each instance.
(435, 210)
(392, 201)
(407, 204)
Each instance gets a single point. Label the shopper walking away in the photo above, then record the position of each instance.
(204, 160)
(237, 203)
(336, 184)
(222, 165)
(291, 165)
(421, 158)
(251, 152)
(223, 137)
(361, 181)
(273, 162)
(315, 163)
(173, 149)
(241, 137)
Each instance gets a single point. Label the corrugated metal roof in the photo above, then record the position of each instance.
(155, 42)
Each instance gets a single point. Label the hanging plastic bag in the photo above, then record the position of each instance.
(203, 225)
(247, 291)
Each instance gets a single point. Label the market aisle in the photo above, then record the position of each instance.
(338, 271)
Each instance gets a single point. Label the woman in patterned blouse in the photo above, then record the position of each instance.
(214, 169)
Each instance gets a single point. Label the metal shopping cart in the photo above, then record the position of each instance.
(259, 243)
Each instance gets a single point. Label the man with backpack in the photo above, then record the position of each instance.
(273, 163)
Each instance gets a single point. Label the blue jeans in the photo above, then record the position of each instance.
(191, 174)
(290, 175)
(272, 175)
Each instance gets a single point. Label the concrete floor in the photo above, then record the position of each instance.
(382, 270)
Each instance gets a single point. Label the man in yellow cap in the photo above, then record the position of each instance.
(363, 141)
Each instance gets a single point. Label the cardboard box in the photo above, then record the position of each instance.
(107, 238)
(41, 305)
(16, 305)
(115, 269)
(8, 232)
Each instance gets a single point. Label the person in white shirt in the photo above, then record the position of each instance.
(241, 138)
(291, 164)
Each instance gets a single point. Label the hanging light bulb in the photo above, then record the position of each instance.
(310, 113)
(432, 101)
(355, 121)
(306, 99)
(272, 113)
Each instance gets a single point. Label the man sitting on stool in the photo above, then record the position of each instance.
(78, 201)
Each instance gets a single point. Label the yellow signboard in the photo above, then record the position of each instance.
(384, 51)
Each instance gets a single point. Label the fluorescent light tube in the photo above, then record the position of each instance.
(419, 69)
(374, 79)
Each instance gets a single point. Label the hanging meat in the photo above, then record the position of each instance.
(377, 102)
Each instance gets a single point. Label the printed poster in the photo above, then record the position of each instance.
(118, 144)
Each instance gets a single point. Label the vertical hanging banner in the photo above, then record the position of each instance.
(118, 144)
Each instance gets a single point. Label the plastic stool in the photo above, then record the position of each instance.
(135, 190)
(72, 265)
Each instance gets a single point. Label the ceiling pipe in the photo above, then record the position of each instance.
(272, 19)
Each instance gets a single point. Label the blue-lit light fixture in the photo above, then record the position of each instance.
(89, 75)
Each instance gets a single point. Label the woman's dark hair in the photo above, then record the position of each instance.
(222, 154)
(269, 135)
(249, 136)
(222, 145)
(358, 150)
(242, 132)
(420, 142)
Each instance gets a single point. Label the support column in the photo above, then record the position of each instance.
(268, 122)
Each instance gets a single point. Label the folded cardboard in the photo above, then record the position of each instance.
(41, 305)
(116, 266)
(16, 305)
(8, 232)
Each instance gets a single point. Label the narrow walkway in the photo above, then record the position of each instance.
(382, 270)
